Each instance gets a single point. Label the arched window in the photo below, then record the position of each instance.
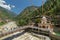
(43, 27)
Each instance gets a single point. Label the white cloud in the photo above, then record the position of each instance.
(5, 5)
(13, 6)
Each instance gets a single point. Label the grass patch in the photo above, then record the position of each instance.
(1, 23)
(57, 33)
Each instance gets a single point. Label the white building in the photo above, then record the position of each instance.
(45, 24)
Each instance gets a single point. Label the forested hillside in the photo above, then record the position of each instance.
(51, 8)
(5, 15)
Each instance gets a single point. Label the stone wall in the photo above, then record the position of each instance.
(10, 26)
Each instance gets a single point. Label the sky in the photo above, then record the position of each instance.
(18, 6)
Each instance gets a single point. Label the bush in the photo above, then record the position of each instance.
(1, 23)
(21, 22)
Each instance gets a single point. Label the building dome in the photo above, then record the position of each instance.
(44, 20)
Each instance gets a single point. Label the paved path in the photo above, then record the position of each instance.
(25, 36)
(29, 36)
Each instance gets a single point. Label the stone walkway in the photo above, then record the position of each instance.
(28, 36)
(24, 36)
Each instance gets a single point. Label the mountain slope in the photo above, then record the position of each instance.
(27, 11)
(5, 16)
(25, 15)
(6, 13)
(51, 8)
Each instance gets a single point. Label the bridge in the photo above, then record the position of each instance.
(38, 30)
(32, 28)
